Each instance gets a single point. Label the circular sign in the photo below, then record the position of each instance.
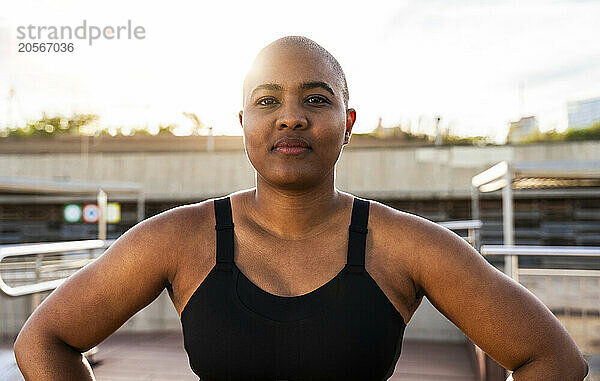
(91, 213)
(72, 213)
(113, 212)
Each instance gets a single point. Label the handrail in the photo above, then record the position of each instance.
(460, 225)
(49, 247)
(560, 272)
(574, 251)
(48, 264)
(513, 251)
(39, 249)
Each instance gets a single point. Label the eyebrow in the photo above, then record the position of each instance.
(304, 86)
(266, 86)
(315, 84)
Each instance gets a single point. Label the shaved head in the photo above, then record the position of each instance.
(300, 43)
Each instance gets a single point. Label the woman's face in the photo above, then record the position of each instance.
(294, 118)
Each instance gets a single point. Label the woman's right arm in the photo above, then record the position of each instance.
(95, 301)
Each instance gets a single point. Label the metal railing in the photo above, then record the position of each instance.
(66, 257)
(573, 295)
(513, 252)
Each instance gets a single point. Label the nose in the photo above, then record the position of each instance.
(291, 117)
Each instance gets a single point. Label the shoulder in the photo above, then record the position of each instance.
(178, 222)
(407, 229)
(414, 243)
(171, 236)
(189, 234)
(382, 216)
(402, 229)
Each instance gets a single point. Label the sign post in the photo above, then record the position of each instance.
(102, 199)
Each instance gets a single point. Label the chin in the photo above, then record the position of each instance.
(292, 178)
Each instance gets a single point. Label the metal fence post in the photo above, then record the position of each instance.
(511, 262)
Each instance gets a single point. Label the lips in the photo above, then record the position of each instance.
(291, 145)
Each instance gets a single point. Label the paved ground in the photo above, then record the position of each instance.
(8, 368)
(155, 356)
(424, 361)
(160, 356)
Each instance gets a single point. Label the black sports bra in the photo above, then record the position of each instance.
(346, 329)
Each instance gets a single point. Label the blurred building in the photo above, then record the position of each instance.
(386, 132)
(522, 129)
(395, 132)
(583, 113)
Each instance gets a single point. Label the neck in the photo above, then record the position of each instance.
(294, 214)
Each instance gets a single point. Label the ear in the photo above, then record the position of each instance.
(350, 119)
(241, 117)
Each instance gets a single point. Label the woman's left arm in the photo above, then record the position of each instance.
(498, 314)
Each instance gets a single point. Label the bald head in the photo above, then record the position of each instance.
(299, 45)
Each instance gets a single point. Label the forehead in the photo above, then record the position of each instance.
(290, 66)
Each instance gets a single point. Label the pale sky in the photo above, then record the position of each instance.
(405, 61)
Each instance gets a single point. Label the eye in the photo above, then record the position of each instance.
(266, 101)
(317, 99)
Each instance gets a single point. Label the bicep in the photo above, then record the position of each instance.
(498, 314)
(96, 300)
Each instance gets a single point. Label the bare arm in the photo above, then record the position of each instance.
(502, 317)
(96, 300)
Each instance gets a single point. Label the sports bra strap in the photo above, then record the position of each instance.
(224, 228)
(357, 240)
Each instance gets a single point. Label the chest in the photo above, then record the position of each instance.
(291, 268)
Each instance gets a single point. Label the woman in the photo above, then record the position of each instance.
(306, 282)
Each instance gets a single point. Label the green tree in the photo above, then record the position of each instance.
(53, 126)
(589, 133)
